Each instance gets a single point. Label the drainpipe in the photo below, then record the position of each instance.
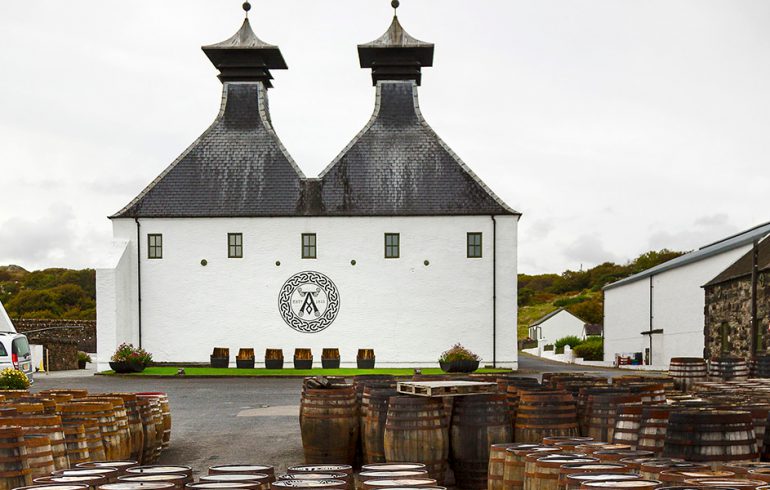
(494, 291)
(754, 278)
(139, 277)
(652, 287)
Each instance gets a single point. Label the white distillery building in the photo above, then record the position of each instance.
(558, 324)
(660, 311)
(396, 246)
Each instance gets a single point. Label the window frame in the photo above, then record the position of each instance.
(154, 250)
(235, 250)
(313, 247)
(474, 246)
(391, 246)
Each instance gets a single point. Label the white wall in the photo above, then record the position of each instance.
(408, 312)
(561, 325)
(116, 312)
(678, 301)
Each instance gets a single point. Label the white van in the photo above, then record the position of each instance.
(14, 347)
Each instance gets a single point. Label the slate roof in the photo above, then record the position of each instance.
(705, 252)
(397, 165)
(741, 268)
(548, 317)
(593, 329)
(238, 167)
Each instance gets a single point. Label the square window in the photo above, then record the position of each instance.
(308, 246)
(235, 245)
(155, 246)
(392, 245)
(474, 245)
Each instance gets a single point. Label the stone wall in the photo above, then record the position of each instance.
(84, 335)
(729, 304)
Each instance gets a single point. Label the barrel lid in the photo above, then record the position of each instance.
(690, 474)
(236, 477)
(242, 468)
(156, 477)
(308, 483)
(70, 479)
(406, 482)
(422, 488)
(314, 476)
(136, 486)
(391, 474)
(677, 465)
(53, 486)
(414, 466)
(725, 482)
(589, 477)
(693, 487)
(592, 466)
(159, 469)
(623, 484)
(521, 446)
(320, 468)
(102, 471)
(107, 464)
(225, 485)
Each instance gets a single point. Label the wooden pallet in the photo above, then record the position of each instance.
(445, 388)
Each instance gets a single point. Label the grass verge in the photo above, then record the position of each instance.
(258, 372)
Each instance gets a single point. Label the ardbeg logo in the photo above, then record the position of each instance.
(309, 302)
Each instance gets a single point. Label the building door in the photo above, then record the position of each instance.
(658, 352)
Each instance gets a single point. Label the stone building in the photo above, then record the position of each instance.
(738, 306)
(397, 245)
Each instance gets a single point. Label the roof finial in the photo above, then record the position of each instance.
(247, 7)
(395, 4)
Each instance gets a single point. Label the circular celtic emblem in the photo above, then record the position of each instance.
(309, 302)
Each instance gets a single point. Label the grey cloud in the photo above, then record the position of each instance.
(703, 231)
(588, 250)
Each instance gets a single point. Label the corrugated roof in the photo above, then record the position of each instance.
(725, 245)
(742, 267)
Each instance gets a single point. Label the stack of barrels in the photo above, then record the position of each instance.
(55, 430)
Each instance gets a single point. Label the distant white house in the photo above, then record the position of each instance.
(660, 312)
(6, 325)
(556, 325)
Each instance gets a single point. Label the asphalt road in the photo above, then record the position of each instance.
(232, 420)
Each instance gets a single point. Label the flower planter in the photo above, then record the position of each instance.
(121, 367)
(136, 366)
(459, 366)
(220, 362)
(244, 363)
(303, 363)
(273, 363)
(330, 363)
(365, 363)
(81, 364)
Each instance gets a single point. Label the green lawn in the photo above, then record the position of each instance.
(207, 371)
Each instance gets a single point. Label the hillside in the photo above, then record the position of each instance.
(579, 291)
(48, 293)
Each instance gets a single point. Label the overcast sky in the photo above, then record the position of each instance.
(615, 126)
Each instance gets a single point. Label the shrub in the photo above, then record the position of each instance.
(570, 301)
(528, 343)
(458, 353)
(83, 357)
(128, 353)
(591, 350)
(13, 379)
(548, 347)
(569, 340)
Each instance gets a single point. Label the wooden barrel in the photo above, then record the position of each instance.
(758, 474)
(108, 473)
(375, 403)
(55, 487)
(405, 483)
(587, 468)
(136, 486)
(477, 422)
(136, 433)
(160, 469)
(650, 393)
(344, 469)
(26, 408)
(39, 455)
(244, 468)
(737, 483)
(566, 441)
(621, 485)
(652, 428)
(416, 430)
(14, 465)
(651, 470)
(760, 366)
(510, 387)
(326, 484)
(151, 449)
(45, 425)
(121, 466)
(601, 412)
(496, 467)
(547, 470)
(513, 470)
(11, 394)
(49, 405)
(530, 464)
(91, 481)
(687, 371)
(743, 468)
(329, 425)
(543, 413)
(576, 481)
(262, 478)
(165, 409)
(103, 414)
(711, 437)
(728, 368)
(179, 481)
(627, 424)
(223, 486)
(612, 455)
(679, 476)
(120, 414)
(365, 476)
